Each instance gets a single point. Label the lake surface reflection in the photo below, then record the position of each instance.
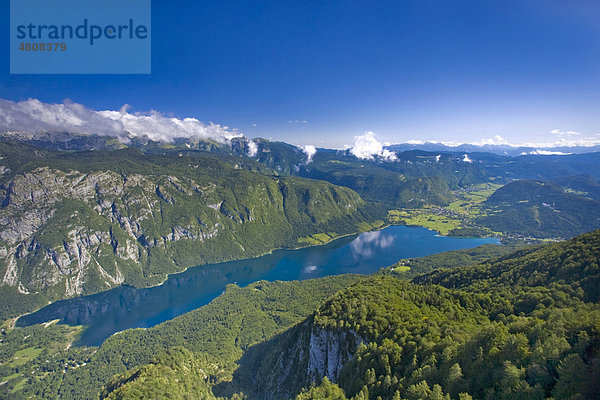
(127, 307)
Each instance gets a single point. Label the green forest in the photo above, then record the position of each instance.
(523, 324)
(300, 200)
(517, 320)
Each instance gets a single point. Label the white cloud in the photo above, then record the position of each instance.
(564, 133)
(584, 142)
(252, 148)
(495, 141)
(310, 151)
(33, 116)
(546, 153)
(388, 155)
(297, 121)
(498, 140)
(437, 158)
(366, 244)
(467, 159)
(366, 146)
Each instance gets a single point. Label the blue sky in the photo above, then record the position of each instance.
(323, 72)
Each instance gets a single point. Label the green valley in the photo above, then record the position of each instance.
(79, 223)
(300, 200)
(496, 321)
(485, 323)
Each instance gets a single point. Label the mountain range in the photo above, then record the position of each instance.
(499, 149)
(79, 223)
(83, 214)
(521, 325)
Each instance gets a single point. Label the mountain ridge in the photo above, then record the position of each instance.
(79, 223)
(416, 339)
(462, 337)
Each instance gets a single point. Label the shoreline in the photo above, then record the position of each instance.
(12, 321)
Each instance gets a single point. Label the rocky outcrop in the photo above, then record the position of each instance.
(67, 232)
(107, 214)
(305, 354)
(328, 351)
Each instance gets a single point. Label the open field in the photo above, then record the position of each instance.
(457, 218)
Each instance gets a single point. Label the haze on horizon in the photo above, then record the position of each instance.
(323, 75)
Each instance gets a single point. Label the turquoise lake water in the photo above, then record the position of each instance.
(127, 307)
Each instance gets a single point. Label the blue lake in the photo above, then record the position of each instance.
(127, 307)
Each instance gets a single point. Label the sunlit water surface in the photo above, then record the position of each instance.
(126, 307)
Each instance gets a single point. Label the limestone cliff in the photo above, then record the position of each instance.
(68, 229)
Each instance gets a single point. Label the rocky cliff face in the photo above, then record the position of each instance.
(66, 232)
(305, 354)
(328, 351)
(39, 229)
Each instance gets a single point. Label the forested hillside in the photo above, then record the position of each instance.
(79, 223)
(217, 335)
(524, 325)
(491, 322)
(539, 209)
(584, 184)
(412, 267)
(570, 268)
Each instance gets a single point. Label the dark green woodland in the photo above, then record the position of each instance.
(519, 320)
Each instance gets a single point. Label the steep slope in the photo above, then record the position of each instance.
(217, 334)
(571, 267)
(539, 209)
(525, 326)
(79, 223)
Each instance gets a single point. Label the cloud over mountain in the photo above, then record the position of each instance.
(367, 146)
(252, 148)
(564, 133)
(565, 140)
(495, 141)
(310, 151)
(34, 116)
